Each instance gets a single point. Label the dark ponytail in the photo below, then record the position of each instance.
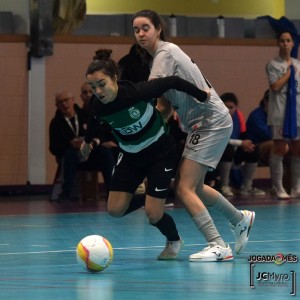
(102, 62)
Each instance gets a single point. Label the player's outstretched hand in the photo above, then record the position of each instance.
(86, 149)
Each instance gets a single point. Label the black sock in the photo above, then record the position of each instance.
(137, 201)
(167, 227)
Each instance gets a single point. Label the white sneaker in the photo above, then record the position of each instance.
(251, 191)
(226, 191)
(295, 193)
(213, 252)
(242, 230)
(281, 194)
(171, 250)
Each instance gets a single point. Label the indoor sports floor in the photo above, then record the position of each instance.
(38, 240)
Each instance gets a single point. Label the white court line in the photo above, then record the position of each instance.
(136, 248)
(36, 252)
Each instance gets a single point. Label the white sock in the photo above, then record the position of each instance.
(248, 173)
(225, 208)
(224, 172)
(295, 173)
(276, 170)
(206, 225)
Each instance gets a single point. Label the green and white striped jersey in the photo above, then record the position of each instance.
(134, 120)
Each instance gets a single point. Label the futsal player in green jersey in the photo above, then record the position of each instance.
(147, 150)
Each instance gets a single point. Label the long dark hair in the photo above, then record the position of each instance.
(102, 62)
(155, 19)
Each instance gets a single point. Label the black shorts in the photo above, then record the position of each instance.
(157, 163)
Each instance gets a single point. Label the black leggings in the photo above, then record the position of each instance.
(239, 155)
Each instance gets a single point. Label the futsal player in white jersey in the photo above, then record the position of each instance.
(209, 127)
(279, 73)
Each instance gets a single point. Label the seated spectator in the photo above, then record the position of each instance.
(240, 152)
(86, 94)
(258, 131)
(66, 133)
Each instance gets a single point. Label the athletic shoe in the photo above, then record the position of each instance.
(226, 191)
(281, 194)
(251, 191)
(213, 252)
(295, 193)
(242, 230)
(171, 250)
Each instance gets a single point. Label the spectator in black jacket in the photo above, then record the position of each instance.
(66, 133)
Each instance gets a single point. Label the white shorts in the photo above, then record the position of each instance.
(206, 145)
(277, 133)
